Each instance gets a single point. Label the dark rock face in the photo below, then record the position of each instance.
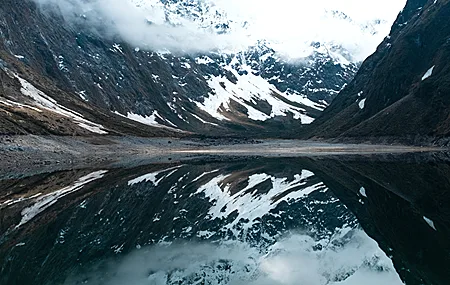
(21, 113)
(111, 76)
(403, 89)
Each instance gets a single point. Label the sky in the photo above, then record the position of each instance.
(288, 26)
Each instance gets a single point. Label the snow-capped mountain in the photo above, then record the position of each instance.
(175, 65)
(400, 93)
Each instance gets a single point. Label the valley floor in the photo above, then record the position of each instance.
(28, 155)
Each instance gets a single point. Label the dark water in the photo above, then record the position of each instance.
(358, 220)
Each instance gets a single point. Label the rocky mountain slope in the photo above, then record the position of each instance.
(44, 108)
(123, 88)
(402, 90)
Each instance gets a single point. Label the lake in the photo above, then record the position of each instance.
(331, 220)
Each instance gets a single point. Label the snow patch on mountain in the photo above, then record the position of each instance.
(203, 60)
(428, 73)
(249, 91)
(43, 101)
(151, 120)
(203, 121)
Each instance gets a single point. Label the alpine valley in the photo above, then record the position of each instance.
(64, 73)
(165, 142)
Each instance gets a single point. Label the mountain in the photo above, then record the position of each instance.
(94, 81)
(401, 92)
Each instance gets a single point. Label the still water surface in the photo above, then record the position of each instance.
(325, 221)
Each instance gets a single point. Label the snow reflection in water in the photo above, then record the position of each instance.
(350, 257)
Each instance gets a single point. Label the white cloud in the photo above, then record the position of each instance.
(288, 25)
(291, 25)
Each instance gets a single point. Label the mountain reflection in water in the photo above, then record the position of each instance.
(355, 220)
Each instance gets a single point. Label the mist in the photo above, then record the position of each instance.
(290, 261)
(124, 20)
(289, 26)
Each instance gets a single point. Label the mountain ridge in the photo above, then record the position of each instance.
(166, 91)
(400, 92)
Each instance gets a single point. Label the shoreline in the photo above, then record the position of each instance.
(33, 154)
